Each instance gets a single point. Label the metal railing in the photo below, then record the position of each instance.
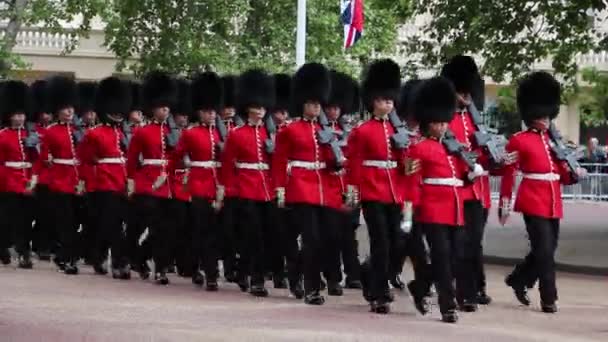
(593, 187)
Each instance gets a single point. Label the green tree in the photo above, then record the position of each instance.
(594, 101)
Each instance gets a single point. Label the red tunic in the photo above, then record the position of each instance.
(199, 143)
(43, 172)
(101, 152)
(437, 204)
(86, 170)
(245, 150)
(15, 161)
(336, 180)
(296, 144)
(464, 129)
(58, 144)
(534, 197)
(229, 189)
(411, 190)
(371, 145)
(148, 143)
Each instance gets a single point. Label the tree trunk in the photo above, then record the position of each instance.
(17, 8)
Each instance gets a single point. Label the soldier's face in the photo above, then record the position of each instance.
(333, 113)
(207, 117)
(228, 112)
(181, 120)
(45, 118)
(312, 109)
(136, 116)
(256, 114)
(66, 114)
(89, 117)
(17, 120)
(437, 129)
(280, 116)
(161, 113)
(542, 123)
(383, 106)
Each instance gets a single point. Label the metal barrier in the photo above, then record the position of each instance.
(594, 187)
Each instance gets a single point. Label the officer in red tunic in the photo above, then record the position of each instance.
(463, 73)
(147, 171)
(441, 176)
(246, 165)
(376, 171)
(200, 144)
(299, 168)
(17, 153)
(101, 150)
(58, 153)
(539, 194)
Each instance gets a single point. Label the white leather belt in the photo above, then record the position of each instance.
(207, 164)
(18, 165)
(443, 181)
(111, 161)
(71, 162)
(180, 171)
(306, 165)
(542, 176)
(485, 173)
(154, 162)
(381, 164)
(253, 166)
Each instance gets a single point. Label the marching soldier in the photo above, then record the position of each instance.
(200, 144)
(58, 153)
(440, 176)
(17, 153)
(102, 150)
(148, 177)
(463, 73)
(376, 173)
(246, 166)
(299, 169)
(539, 194)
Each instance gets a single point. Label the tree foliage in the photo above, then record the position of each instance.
(594, 101)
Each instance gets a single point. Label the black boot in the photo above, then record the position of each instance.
(198, 278)
(100, 268)
(520, 290)
(296, 288)
(231, 276)
(279, 282)
(258, 290)
(352, 284)
(450, 316)
(161, 278)
(71, 268)
(548, 308)
(334, 289)
(212, 285)
(483, 298)
(380, 307)
(314, 298)
(144, 271)
(122, 273)
(59, 263)
(420, 301)
(243, 283)
(467, 306)
(397, 283)
(25, 261)
(5, 257)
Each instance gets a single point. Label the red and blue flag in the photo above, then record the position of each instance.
(352, 18)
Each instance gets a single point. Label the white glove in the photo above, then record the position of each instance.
(130, 187)
(220, 192)
(31, 185)
(504, 210)
(80, 187)
(477, 171)
(280, 197)
(352, 196)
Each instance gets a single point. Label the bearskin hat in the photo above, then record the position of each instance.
(229, 86)
(406, 98)
(86, 97)
(312, 82)
(136, 96)
(463, 73)
(207, 92)
(478, 93)
(113, 96)
(159, 90)
(254, 88)
(184, 98)
(342, 91)
(434, 101)
(282, 84)
(382, 79)
(62, 92)
(15, 98)
(538, 96)
(355, 107)
(39, 101)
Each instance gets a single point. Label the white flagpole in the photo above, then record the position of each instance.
(301, 34)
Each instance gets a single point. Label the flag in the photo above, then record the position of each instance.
(351, 17)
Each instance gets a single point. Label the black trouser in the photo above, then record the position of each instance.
(335, 225)
(293, 255)
(155, 213)
(474, 228)
(383, 227)
(45, 236)
(415, 249)
(229, 235)
(205, 236)
(88, 215)
(182, 252)
(255, 224)
(481, 272)
(273, 242)
(350, 247)
(447, 245)
(107, 232)
(17, 217)
(136, 225)
(310, 221)
(65, 223)
(543, 234)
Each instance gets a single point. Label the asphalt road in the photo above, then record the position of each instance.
(43, 305)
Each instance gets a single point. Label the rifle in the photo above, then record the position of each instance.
(326, 136)
(78, 129)
(488, 138)
(127, 134)
(562, 152)
(401, 139)
(454, 147)
(238, 121)
(271, 129)
(222, 130)
(174, 132)
(346, 129)
(33, 138)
